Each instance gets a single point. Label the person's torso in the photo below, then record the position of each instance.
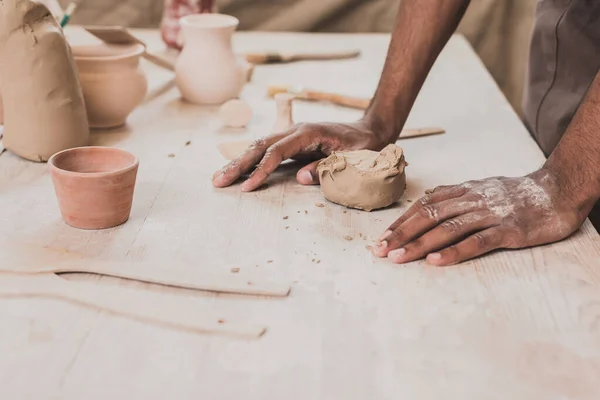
(564, 59)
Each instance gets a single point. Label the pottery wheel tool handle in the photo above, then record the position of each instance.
(158, 311)
(275, 57)
(347, 101)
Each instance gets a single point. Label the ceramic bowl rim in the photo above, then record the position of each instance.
(221, 20)
(137, 49)
(128, 168)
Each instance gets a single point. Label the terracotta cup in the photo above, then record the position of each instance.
(94, 185)
(112, 81)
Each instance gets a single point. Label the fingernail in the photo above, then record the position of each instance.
(397, 254)
(245, 187)
(434, 256)
(385, 235)
(218, 179)
(305, 177)
(382, 244)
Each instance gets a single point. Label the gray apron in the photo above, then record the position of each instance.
(564, 59)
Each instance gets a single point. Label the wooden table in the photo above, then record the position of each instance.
(511, 325)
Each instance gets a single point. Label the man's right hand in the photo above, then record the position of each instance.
(303, 142)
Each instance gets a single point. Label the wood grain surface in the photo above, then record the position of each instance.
(511, 325)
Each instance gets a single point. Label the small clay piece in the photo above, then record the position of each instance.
(364, 179)
(171, 155)
(235, 270)
(94, 185)
(284, 121)
(235, 113)
(43, 103)
(188, 142)
(112, 81)
(320, 205)
(348, 238)
(232, 150)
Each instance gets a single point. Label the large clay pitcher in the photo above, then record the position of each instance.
(207, 71)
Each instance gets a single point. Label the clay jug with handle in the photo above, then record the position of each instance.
(207, 70)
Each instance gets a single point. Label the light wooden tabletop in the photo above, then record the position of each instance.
(511, 325)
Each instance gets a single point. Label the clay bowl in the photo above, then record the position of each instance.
(112, 81)
(94, 185)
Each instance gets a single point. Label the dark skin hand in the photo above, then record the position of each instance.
(456, 223)
(304, 142)
(451, 223)
(422, 29)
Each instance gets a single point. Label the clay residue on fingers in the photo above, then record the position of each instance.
(364, 179)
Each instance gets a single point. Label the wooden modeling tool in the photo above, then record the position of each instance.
(304, 94)
(120, 35)
(277, 57)
(32, 262)
(232, 150)
(159, 311)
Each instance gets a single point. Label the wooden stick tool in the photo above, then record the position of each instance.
(173, 276)
(278, 57)
(154, 309)
(120, 35)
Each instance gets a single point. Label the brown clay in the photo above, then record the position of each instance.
(94, 185)
(43, 103)
(112, 81)
(364, 179)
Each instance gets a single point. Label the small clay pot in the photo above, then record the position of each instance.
(112, 81)
(94, 185)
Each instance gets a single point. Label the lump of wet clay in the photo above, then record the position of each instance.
(364, 179)
(43, 103)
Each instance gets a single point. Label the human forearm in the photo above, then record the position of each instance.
(422, 29)
(576, 160)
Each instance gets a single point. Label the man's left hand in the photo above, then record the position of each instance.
(452, 224)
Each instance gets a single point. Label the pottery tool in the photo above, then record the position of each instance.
(174, 314)
(120, 35)
(68, 13)
(304, 94)
(172, 276)
(277, 57)
(232, 150)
